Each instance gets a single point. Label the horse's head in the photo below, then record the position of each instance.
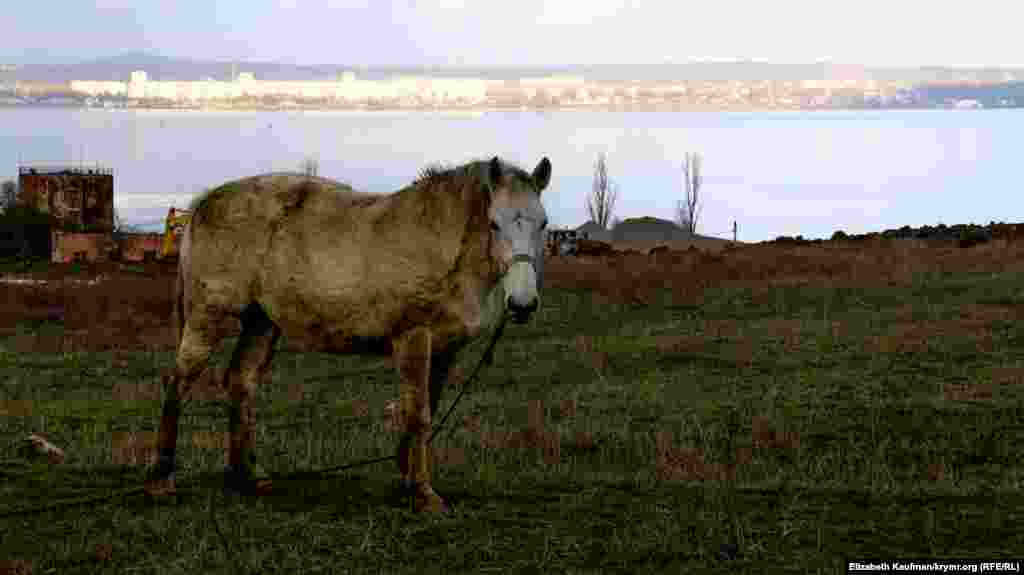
(517, 221)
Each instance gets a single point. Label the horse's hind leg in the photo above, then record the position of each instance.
(193, 357)
(251, 359)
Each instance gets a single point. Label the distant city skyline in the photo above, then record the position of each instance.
(534, 33)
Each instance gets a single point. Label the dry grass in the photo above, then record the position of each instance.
(633, 278)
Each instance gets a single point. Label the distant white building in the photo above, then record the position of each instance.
(137, 85)
(345, 88)
(99, 88)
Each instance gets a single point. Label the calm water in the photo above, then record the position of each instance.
(775, 173)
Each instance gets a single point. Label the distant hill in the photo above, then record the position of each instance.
(648, 229)
(118, 68)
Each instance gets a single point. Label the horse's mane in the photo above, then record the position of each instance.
(438, 173)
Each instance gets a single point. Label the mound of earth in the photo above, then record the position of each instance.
(594, 248)
(966, 235)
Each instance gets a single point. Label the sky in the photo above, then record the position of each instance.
(527, 32)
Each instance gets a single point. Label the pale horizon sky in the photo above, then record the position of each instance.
(532, 33)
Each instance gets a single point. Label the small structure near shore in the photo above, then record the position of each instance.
(133, 247)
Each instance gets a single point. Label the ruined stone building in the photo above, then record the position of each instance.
(73, 195)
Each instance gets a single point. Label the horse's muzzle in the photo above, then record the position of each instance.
(521, 313)
(521, 287)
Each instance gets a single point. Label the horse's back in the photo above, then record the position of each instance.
(234, 226)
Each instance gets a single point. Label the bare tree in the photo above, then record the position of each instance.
(601, 201)
(309, 167)
(8, 193)
(688, 209)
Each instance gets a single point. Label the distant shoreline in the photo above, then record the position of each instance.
(476, 112)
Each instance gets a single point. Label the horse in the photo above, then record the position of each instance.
(417, 274)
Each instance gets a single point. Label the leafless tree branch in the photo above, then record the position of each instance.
(688, 209)
(604, 192)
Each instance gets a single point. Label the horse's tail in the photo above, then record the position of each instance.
(181, 285)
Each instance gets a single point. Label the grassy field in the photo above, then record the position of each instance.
(763, 409)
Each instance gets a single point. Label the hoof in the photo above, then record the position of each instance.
(160, 479)
(425, 499)
(431, 505)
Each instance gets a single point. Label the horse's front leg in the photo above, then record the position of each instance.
(412, 355)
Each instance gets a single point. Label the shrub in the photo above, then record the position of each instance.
(973, 237)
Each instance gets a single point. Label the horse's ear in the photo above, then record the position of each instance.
(542, 174)
(494, 171)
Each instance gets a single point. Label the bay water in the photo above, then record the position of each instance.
(774, 173)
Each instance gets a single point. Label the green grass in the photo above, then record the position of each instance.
(886, 463)
(19, 265)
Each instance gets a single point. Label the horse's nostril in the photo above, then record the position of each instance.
(512, 305)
